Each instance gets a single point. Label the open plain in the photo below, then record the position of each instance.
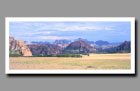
(93, 61)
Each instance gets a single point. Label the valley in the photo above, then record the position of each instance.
(63, 54)
(93, 61)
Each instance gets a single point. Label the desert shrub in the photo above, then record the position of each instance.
(43, 56)
(68, 55)
(15, 55)
(58, 55)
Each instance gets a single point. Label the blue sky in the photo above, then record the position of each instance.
(50, 31)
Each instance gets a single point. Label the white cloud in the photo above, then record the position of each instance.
(71, 27)
(44, 28)
(45, 32)
(19, 27)
(77, 28)
(109, 28)
(67, 27)
(53, 37)
(33, 33)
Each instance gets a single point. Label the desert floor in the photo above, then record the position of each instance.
(93, 61)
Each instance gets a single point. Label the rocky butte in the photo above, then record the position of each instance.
(47, 49)
(18, 47)
(79, 47)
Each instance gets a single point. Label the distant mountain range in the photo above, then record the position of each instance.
(62, 41)
(125, 47)
(85, 40)
(79, 46)
(39, 42)
(101, 42)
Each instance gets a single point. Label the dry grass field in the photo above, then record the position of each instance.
(93, 61)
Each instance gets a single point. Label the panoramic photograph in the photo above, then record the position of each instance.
(69, 44)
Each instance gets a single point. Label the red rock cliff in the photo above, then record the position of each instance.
(18, 45)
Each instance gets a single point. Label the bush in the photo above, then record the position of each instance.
(15, 55)
(58, 55)
(43, 56)
(68, 55)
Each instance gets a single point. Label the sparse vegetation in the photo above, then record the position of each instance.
(68, 55)
(58, 55)
(14, 53)
(93, 61)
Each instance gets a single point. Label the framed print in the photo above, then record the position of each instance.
(70, 45)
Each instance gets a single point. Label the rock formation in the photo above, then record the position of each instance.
(47, 49)
(18, 47)
(79, 47)
(124, 47)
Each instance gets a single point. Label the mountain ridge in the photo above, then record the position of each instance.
(79, 47)
(65, 47)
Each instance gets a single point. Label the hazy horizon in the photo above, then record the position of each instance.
(51, 31)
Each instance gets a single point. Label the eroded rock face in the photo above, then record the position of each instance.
(124, 47)
(47, 49)
(19, 47)
(79, 47)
